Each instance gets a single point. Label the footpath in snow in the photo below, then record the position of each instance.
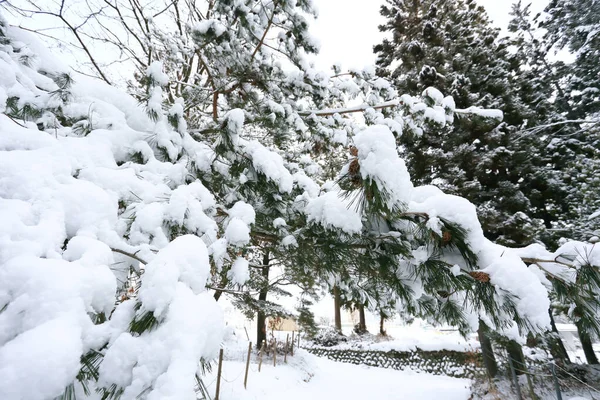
(309, 377)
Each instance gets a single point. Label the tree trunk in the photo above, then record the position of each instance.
(515, 352)
(362, 321)
(586, 344)
(489, 359)
(261, 318)
(555, 343)
(337, 301)
(381, 322)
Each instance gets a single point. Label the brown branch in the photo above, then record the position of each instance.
(165, 9)
(178, 17)
(130, 255)
(262, 39)
(137, 8)
(528, 260)
(267, 237)
(550, 274)
(125, 49)
(85, 48)
(126, 26)
(74, 31)
(352, 74)
(215, 104)
(211, 80)
(237, 292)
(349, 110)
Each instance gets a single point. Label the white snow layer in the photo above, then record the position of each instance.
(59, 206)
(379, 162)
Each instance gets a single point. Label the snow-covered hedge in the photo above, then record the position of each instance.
(451, 363)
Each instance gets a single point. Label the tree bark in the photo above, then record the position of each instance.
(261, 318)
(381, 322)
(515, 352)
(586, 344)
(555, 343)
(362, 321)
(337, 301)
(489, 359)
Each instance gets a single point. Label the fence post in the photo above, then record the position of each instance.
(260, 356)
(274, 352)
(287, 342)
(292, 349)
(514, 376)
(298, 340)
(247, 365)
(219, 374)
(556, 384)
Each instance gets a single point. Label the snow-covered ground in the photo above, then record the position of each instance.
(411, 338)
(568, 333)
(309, 377)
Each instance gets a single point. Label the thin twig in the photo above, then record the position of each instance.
(262, 39)
(131, 255)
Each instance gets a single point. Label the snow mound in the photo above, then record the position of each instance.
(73, 204)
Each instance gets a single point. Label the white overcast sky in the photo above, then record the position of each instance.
(347, 29)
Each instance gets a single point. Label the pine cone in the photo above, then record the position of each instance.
(354, 172)
(480, 276)
(446, 237)
(354, 167)
(317, 148)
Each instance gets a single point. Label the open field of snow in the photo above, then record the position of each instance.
(309, 377)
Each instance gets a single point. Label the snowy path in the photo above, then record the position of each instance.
(331, 380)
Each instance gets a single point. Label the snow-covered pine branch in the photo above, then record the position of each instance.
(199, 185)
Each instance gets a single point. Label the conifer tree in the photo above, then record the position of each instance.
(573, 26)
(452, 45)
(564, 96)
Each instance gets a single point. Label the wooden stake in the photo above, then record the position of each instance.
(274, 352)
(556, 384)
(292, 349)
(247, 337)
(514, 376)
(247, 365)
(262, 349)
(219, 374)
(298, 339)
(287, 343)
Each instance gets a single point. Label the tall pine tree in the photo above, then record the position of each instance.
(453, 46)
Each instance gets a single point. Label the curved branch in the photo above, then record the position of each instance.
(130, 255)
(264, 36)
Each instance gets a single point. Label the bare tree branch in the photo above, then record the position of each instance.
(262, 39)
(130, 255)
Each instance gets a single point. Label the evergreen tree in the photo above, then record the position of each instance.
(564, 95)
(493, 163)
(452, 46)
(573, 26)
